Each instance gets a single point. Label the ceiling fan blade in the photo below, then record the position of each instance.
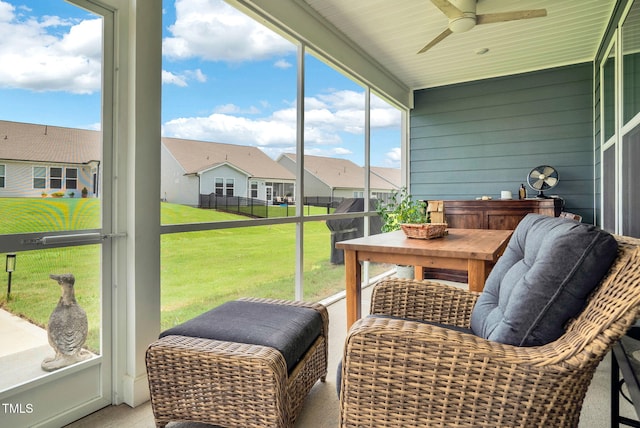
(491, 18)
(435, 41)
(447, 8)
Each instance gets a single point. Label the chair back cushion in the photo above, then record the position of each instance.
(542, 280)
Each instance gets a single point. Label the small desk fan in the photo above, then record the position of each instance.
(542, 178)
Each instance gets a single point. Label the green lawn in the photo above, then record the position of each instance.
(199, 270)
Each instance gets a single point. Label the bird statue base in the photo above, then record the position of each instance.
(60, 360)
(67, 328)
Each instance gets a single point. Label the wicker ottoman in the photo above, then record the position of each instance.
(248, 363)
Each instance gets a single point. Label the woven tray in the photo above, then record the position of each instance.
(424, 230)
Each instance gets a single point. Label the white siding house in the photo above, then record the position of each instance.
(42, 160)
(341, 178)
(191, 168)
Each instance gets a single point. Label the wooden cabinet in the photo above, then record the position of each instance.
(497, 214)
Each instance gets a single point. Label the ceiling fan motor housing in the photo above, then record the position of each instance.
(462, 24)
(468, 19)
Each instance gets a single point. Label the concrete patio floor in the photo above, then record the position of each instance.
(321, 407)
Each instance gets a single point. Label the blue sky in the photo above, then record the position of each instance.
(226, 78)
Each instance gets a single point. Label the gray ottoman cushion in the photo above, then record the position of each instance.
(542, 280)
(289, 329)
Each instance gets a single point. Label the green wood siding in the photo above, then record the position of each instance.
(482, 137)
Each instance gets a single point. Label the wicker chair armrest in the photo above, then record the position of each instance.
(423, 300)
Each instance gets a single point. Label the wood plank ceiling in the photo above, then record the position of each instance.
(393, 31)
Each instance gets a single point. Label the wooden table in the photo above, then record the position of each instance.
(472, 250)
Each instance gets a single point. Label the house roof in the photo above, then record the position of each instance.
(342, 173)
(45, 143)
(391, 175)
(199, 156)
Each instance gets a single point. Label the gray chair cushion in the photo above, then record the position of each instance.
(289, 329)
(542, 280)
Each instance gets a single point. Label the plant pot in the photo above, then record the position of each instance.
(405, 272)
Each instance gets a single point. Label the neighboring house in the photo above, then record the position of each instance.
(191, 168)
(341, 178)
(389, 175)
(42, 159)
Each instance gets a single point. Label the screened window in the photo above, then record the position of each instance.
(39, 177)
(71, 178)
(254, 189)
(631, 64)
(55, 178)
(2, 175)
(219, 186)
(228, 188)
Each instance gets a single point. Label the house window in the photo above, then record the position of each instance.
(228, 188)
(254, 189)
(219, 186)
(71, 178)
(2, 176)
(55, 177)
(39, 177)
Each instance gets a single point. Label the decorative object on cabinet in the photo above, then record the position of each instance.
(541, 178)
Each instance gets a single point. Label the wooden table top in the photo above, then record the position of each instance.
(478, 244)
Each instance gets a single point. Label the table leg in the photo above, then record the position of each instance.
(478, 271)
(418, 272)
(353, 286)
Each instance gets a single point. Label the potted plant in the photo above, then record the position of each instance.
(401, 209)
(84, 192)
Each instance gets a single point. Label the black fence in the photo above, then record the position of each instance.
(263, 209)
(322, 201)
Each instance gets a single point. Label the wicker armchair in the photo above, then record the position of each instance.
(401, 373)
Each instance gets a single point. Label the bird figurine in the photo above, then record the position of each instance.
(67, 328)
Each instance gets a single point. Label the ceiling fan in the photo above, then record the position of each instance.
(462, 17)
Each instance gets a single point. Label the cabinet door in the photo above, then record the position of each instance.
(504, 221)
(462, 219)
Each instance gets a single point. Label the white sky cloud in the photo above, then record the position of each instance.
(181, 79)
(393, 158)
(214, 31)
(326, 117)
(173, 79)
(31, 57)
(282, 63)
(50, 53)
